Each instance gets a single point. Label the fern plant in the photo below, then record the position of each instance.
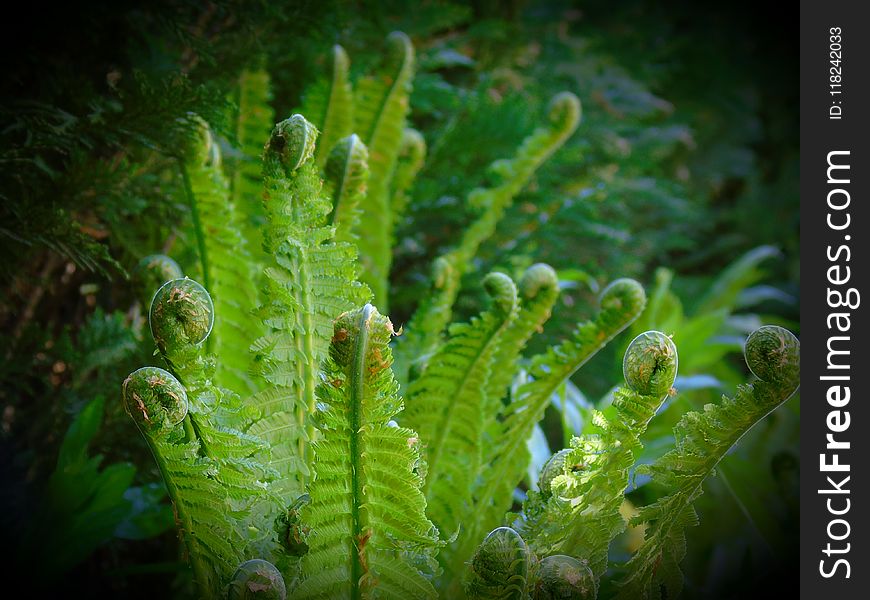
(315, 466)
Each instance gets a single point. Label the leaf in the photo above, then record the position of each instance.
(369, 533)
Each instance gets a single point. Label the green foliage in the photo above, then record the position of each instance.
(107, 163)
(370, 535)
(310, 282)
(82, 506)
(702, 440)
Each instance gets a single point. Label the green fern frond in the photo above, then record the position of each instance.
(369, 533)
(500, 568)
(213, 472)
(412, 155)
(538, 290)
(621, 303)
(434, 313)
(312, 280)
(448, 405)
(381, 107)
(254, 120)
(152, 272)
(225, 262)
(702, 440)
(329, 105)
(182, 317)
(576, 511)
(346, 178)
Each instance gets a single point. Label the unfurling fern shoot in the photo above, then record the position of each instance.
(500, 567)
(702, 440)
(257, 579)
(369, 533)
(576, 510)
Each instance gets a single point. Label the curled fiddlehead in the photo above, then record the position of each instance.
(346, 177)
(650, 364)
(500, 567)
(291, 145)
(560, 577)
(554, 467)
(257, 579)
(155, 400)
(151, 272)
(771, 353)
(181, 315)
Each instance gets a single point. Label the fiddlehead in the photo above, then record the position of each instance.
(181, 315)
(587, 490)
(412, 155)
(561, 577)
(379, 118)
(328, 104)
(155, 400)
(346, 179)
(500, 567)
(257, 579)
(702, 439)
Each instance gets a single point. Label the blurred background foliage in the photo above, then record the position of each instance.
(683, 175)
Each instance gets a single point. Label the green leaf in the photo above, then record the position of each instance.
(369, 533)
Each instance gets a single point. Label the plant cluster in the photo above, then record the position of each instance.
(312, 449)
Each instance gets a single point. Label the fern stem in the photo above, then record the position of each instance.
(357, 394)
(182, 519)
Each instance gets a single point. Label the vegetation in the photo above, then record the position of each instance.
(299, 442)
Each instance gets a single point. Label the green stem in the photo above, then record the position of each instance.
(357, 393)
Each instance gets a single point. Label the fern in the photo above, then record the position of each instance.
(412, 155)
(152, 272)
(211, 470)
(328, 104)
(253, 121)
(369, 533)
(311, 281)
(448, 406)
(576, 510)
(702, 440)
(621, 302)
(434, 312)
(381, 107)
(225, 262)
(346, 179)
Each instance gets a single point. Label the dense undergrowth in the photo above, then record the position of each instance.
(448, 448)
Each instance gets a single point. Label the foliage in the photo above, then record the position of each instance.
(148, 137)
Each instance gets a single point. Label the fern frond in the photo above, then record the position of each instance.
(448, 405)
(329, 105)
(369, 533)
(226, 263)
(346, 178)
(434, 313)
(538, 290)
(412, 155)
(500, 568)
(213, 537)
(621, 303)
(312, 280)
(702, 440)
(254, 120)
(381, 107)
(576, 511)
